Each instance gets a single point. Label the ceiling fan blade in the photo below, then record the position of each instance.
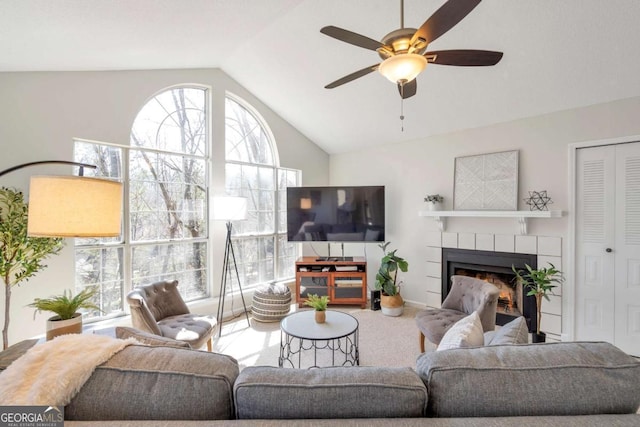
(444, 19)
(408, 89)
(352, 76)
(464, 57)
(351, 37)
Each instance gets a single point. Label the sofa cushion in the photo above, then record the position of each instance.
(466, 332)
(142, 337)
(567, 378)
(158, 383)
(336, 392)
(514, 332)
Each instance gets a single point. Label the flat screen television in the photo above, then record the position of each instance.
(335, 214)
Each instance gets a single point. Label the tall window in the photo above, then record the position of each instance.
(262, 251)
(165, 233)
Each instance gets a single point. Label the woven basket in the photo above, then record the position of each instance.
(271, 303)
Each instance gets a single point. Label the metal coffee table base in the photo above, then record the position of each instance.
(336, 341)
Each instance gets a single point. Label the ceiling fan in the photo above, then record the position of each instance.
(404, 51)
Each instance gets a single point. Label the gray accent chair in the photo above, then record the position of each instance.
(159, 309)
(467, 294)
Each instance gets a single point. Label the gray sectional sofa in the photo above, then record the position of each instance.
(568, 384)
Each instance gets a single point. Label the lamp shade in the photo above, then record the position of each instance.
(229, 208)
(403, 67)
(74, 206)
(305, 203)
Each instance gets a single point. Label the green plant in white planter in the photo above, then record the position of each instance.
(433, 201)
(67, 319)
(21, 256)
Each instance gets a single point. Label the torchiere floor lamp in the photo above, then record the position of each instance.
(229, 208)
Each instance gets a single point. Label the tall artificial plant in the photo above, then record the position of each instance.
(387, 276)
(21, 256)
(539, 283)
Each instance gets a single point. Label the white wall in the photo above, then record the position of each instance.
(41, 113)
(412, 170)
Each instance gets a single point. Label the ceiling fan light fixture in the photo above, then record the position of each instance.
(403, 67)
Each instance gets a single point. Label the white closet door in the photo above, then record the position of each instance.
(627, 249)
(595, 197)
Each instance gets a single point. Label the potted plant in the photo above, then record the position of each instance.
(391, 302)
(67, 319)
(319, 304)
(540, 283)
(433, 201)
(21, 256)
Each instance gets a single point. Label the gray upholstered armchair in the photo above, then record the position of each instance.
(159, 309)
(467, 294)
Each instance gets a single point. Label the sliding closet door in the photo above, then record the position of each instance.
(608, 245)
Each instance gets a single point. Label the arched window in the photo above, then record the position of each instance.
(262, 251)
(165, 233)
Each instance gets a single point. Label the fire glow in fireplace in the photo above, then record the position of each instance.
(495, 268)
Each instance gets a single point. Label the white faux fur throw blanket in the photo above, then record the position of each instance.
(53, 372)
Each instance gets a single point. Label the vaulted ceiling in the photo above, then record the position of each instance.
(558, 54)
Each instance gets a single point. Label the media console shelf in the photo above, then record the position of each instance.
(345, 282)
(522, 216)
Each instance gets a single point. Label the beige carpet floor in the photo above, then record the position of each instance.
(383, 340)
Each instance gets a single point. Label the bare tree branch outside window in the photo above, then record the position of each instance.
(167, 201)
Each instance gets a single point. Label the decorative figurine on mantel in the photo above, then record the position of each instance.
(434, 201)
(538, 200)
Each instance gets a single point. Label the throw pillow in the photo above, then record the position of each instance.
(149, 339)
(514, 332)
(466, 332)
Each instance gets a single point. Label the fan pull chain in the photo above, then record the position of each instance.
(402, 114)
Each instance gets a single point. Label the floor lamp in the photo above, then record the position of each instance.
(72, 206)
(68, 206)
(228, 208)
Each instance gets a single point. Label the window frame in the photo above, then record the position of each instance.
(239, 238)
(125, 243)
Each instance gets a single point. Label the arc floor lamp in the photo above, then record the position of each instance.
(72, 206)
(68, 206)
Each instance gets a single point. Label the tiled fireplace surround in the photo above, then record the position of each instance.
(548, 250)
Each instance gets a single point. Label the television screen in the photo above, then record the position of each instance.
(335, 214)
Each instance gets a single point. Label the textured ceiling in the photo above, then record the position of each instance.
(557, 55)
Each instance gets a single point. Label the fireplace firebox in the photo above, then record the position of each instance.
(495, 268)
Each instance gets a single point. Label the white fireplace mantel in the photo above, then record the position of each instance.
(522, 216)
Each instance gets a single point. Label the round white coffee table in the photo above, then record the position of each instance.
(299, 333)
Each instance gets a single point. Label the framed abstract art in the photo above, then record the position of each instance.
(486, 182)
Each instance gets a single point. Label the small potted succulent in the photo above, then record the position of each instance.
(433, 201)
(67, 319)
(540, 283)
(319, 304)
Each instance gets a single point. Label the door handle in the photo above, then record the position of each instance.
(609, 250)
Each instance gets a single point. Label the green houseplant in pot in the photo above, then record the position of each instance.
(539, 284)
(21, 256)
(391, 301)
(319, 304)
(67, 319)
